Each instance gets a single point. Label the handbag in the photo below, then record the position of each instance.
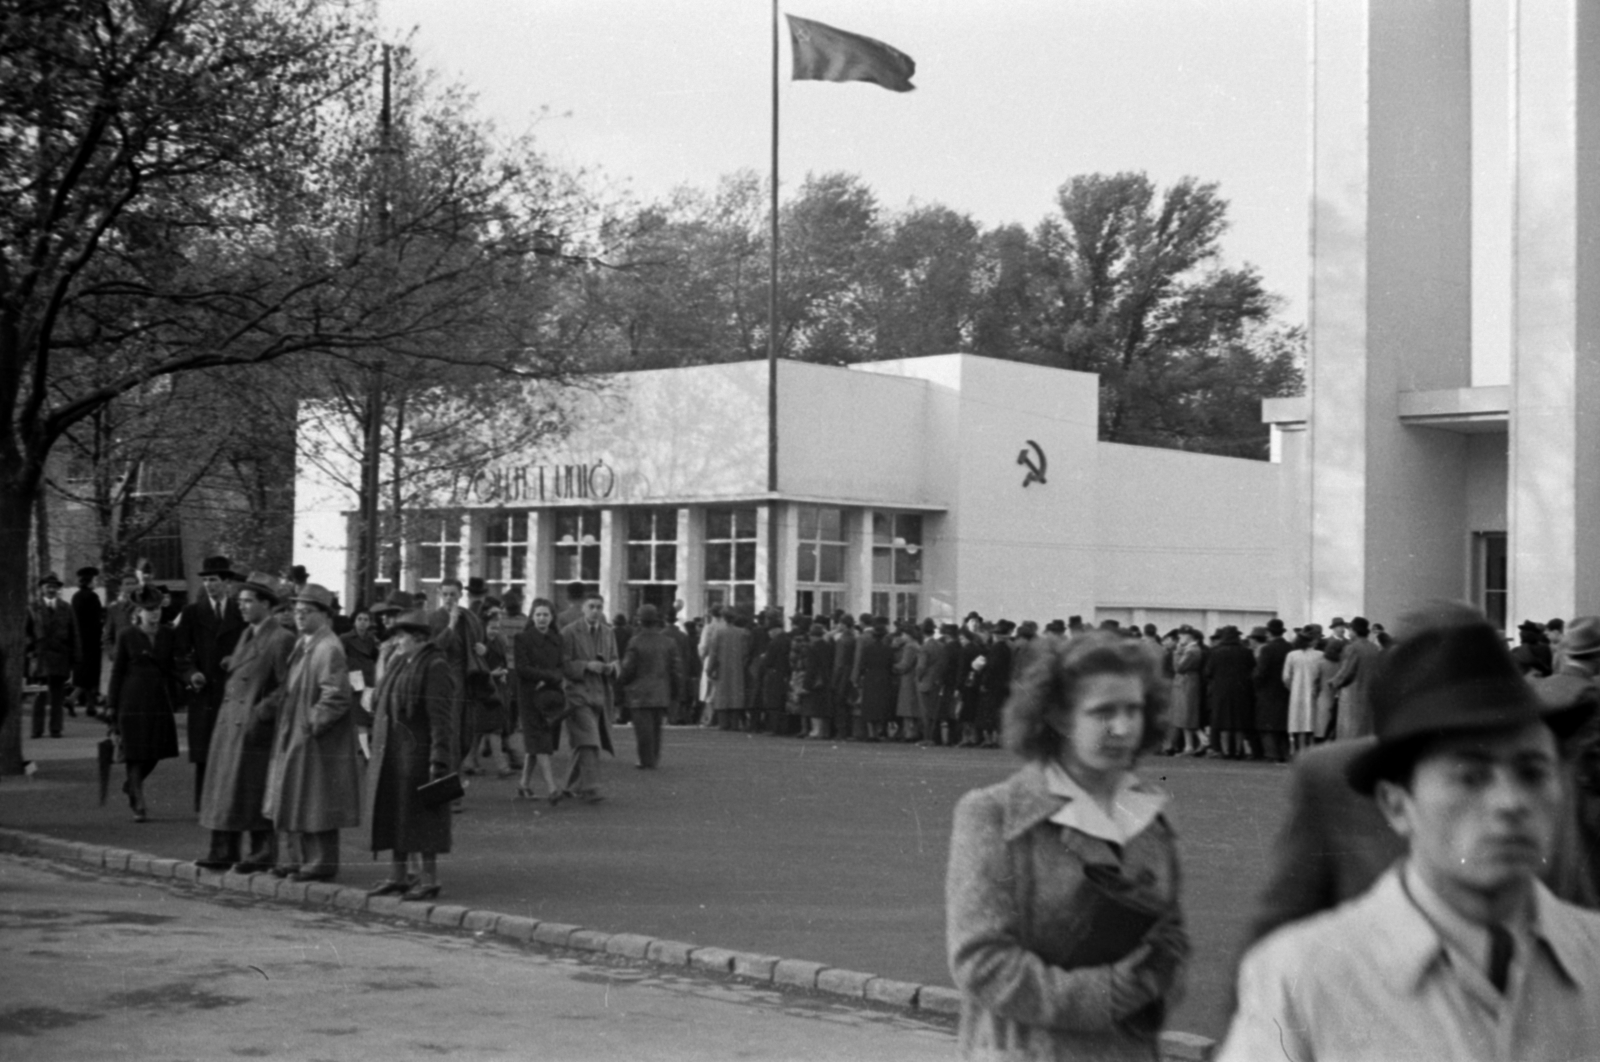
(442, 790)
(1115, 912)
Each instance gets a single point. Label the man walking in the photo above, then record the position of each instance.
(652, 674)
(88, 614)
(1458, 951)
(52, 642)
(241, 741)
(313, 786)
(207, 630)
(589, 663)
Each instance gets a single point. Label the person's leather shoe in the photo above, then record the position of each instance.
(284, 872)
(214, 864)
(247, 867)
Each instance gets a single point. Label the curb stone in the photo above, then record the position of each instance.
(800, 973)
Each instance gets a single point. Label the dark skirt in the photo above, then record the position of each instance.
(144, 715)
(541, 732)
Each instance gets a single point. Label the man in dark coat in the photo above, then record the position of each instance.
(207, 630)
(1272, 695)
(460, 636)
(683, 708)
(652, 675)
(933, 669)
(776, 669)
(844, 661)
(89, 614)
(1230, 693)
(52, 643)
(241, 742)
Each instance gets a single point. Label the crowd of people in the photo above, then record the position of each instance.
(1432, 892)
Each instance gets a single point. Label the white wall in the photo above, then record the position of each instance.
(1184, 531)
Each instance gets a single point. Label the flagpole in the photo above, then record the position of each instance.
(772, 285)
(772, 342)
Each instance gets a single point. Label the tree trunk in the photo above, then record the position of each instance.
(16, 517)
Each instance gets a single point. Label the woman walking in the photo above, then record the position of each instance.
(1064, 931)
(144, 674)
(541, 704)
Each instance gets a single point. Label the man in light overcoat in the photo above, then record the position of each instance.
(313, 784)
(241, 742)
(589, 665)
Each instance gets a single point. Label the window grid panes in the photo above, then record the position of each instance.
(730, 546)
(577, 546)
(896, 604)
(819, 560)
(505, 550)
(439, 547)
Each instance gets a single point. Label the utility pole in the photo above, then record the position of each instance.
(366, 590)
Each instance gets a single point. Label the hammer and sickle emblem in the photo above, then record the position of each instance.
(1035, 468)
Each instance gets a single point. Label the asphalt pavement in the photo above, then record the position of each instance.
(108, 967)
(832, 852)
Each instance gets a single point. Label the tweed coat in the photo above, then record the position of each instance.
(458, 637)
(144, 673)
(1353, 681)
(588, 695)
(727, 660)
(1011, 893)
(52, 638)
(240, 756)
(1187, 690)
(205, 640)
(413, 728)
(652, 669)
(907, 650)
(313, 783)
(932, 677)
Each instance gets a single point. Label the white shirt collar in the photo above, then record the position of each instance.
(1134, 807)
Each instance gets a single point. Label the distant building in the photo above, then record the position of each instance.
(927, 487)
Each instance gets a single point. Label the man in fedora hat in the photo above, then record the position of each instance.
(52, 643)
(207, 628)
(1458, 951)
(88, 614)
(241, 741)
(1272, 693)
(1357, 666)
(313, 783)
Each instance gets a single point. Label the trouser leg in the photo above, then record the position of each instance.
(199, 782)
(586, 771)
(224, 847)
(319, 852)
(263, 848)
(647, 735)
(293, 853)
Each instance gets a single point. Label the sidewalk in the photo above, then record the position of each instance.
(807, 850)
(107, 967)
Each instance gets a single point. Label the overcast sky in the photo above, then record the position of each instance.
(1013, 97)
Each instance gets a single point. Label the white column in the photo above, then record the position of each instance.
(765, 546)
(788, 561)
(613, 560)
(858, 561)
(689, 580)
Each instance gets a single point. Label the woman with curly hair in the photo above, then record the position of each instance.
(1064, 931)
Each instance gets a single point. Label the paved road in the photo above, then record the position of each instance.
(808, 850)
(117, 968)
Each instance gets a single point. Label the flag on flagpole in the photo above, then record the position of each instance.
(822, 53)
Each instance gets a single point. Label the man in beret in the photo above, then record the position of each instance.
(313, 782)
(1458, 951)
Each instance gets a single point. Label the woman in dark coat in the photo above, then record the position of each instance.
(879, 685)
(816, 682)
(1230, 692)
(144, 674)
(541, 704)
(971, 689)
(361, 655)
(413, 730)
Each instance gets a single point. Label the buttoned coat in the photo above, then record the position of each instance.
(776, 669)
(458, 637)
(1354, 681)
(144, 675)
(1272, 695)
(1188, 691)
(205, 639)
(313, 783)
(652, 671)
(52, 638)
(413, 728)
(1010, 894)
(588, 694)
(1230, 688)
(727, 661)
(933, 665)
(875, 677)
(89, 615)
(907, 650)
(235, 785)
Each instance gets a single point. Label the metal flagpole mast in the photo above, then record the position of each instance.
(772, 284)
(772, 340)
